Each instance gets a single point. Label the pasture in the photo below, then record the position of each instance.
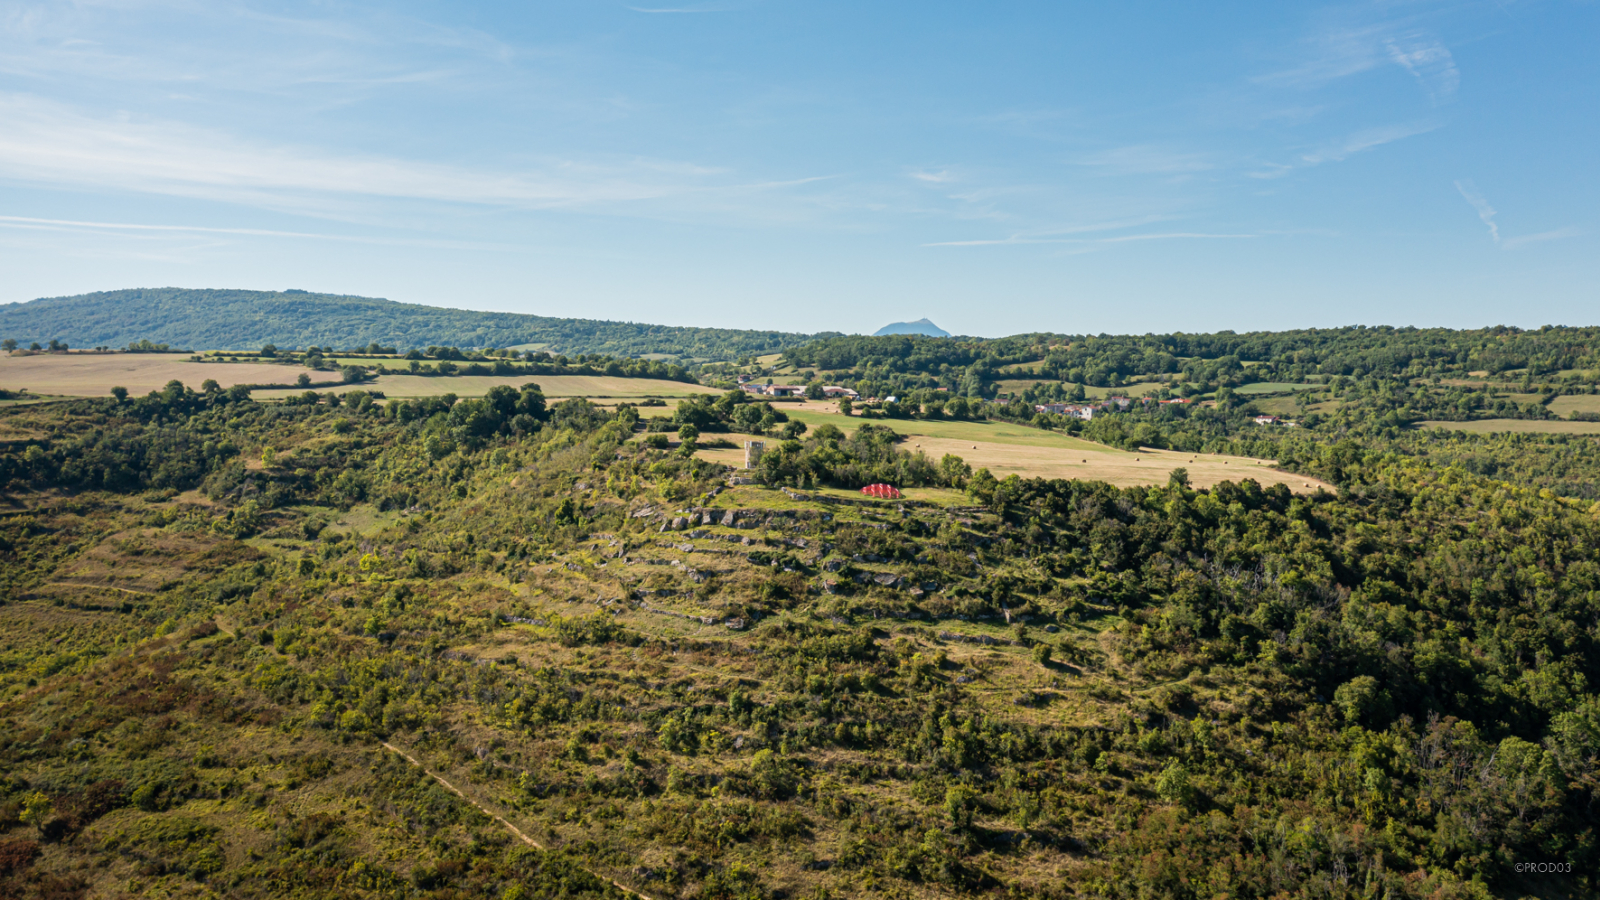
(1521, 426)
(1278, 406)
(1136, 389)
(1274, 387)
(95, 374)
(1008, 449)
(554, 386)
(1566, 405)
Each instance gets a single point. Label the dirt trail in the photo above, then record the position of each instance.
(502, 820)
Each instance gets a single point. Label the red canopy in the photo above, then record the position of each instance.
(881, 491)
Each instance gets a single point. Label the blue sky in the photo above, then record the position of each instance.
(997, 167)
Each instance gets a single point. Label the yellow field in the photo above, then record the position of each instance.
(1006, 449)
(1525, 426)
(95, 374)
(556, 386)
(1102, 463)
(1567, 405)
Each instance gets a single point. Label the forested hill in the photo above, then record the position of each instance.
(237, 319)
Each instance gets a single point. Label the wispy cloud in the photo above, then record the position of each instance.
(38, 224)
(1366, 139)
(48, 143)
(1347, 146)
(1429, 61)
(697, 8)
(355, 47)
(1486, 212)
(1119, 239)
(1352, 40)
(1145, 159)
(940, 177)
(1555, 235)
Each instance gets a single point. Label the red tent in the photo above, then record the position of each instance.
(881, 491)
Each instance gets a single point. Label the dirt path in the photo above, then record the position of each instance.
(502, 820)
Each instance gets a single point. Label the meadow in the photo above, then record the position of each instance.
(557, 386)
(1517, 426)
(1006, 448)
(1566, 405)
(1274, 387)
(95, 374)
(1136, 389)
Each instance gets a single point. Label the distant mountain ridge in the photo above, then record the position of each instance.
(207, 319)
(920, 326)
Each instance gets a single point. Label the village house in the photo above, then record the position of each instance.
(1268, 420)
(834, 392)
(786, 390)
(1077, 410)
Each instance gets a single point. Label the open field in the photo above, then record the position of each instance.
(1567, 405)
(478, 385)
(1101, 463)
(1277, 406)
(31, 398)
(95, 374)
(1274, 387)
(1022, 366)
(1526, 426)
(1007, 449)
(1137, 389)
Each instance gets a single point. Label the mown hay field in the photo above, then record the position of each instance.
(1565, 406)
(1524, 426)
(554, 386)
(95, 374)
(1009, 449)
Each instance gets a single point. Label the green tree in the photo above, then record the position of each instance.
(1363, 701)
(1174, 784)
(959, 803)
(36, 810)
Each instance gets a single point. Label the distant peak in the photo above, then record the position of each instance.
(921, 326)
